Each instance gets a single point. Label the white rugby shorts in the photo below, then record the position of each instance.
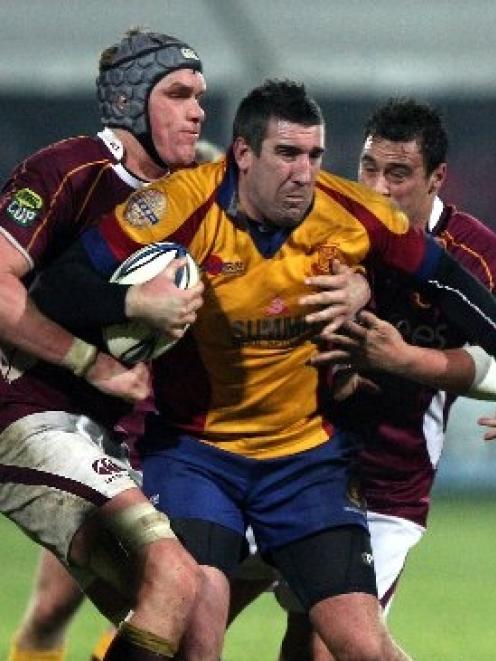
(56, 469)
(391, 538)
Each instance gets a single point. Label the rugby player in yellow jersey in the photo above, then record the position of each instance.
(245, 433)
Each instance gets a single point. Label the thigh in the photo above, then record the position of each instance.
(330, 563)
(392, 538)
(210, 544)
(53, 476)
(350, 626)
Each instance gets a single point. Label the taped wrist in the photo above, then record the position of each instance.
(484, 383)
(80, 357)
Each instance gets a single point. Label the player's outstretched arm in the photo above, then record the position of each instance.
(21, 323)
(374, 344)
(465, 301)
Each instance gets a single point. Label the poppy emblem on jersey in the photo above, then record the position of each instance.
(325, 256)
(145, 207)
(106, 466)
(276, 306)
(25, 207)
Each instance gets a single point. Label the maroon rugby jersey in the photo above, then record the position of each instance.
(48, 200)
(404, 426)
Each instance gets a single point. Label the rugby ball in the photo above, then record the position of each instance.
(135, 341)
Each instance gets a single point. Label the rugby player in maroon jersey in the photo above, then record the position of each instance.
(403, 413)
(60, 464)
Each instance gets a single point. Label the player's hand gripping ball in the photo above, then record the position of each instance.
(135, 341)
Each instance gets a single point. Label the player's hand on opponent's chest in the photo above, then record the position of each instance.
(367, 344)
(340, 295)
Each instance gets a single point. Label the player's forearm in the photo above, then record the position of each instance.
(73, 293)
(22, 325)
(467, 304)
(452, 370)
(465, 301)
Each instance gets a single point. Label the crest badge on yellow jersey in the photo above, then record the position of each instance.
(145, 207)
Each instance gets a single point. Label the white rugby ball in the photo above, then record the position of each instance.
(135, 341)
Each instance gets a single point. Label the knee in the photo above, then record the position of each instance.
(362, 650)
(168, 572)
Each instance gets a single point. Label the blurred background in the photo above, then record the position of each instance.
(351, 54)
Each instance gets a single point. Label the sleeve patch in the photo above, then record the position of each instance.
(145, 207)
(25, 207)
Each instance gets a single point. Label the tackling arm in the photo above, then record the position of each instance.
(467, 304)
(342, 294)
(464, 300)
(73, 292)
(22, 325)
(374, 344)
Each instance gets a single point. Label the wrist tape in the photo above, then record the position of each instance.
(80, 357)
(484, 383)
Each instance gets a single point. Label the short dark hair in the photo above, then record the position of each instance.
(405, 119)
(280, 99)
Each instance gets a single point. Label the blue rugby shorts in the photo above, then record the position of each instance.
(283, 499)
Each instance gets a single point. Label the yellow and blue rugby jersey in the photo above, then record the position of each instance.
(240, 379)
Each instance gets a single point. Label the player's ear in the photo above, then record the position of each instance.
(437, 178)
(243, 153)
